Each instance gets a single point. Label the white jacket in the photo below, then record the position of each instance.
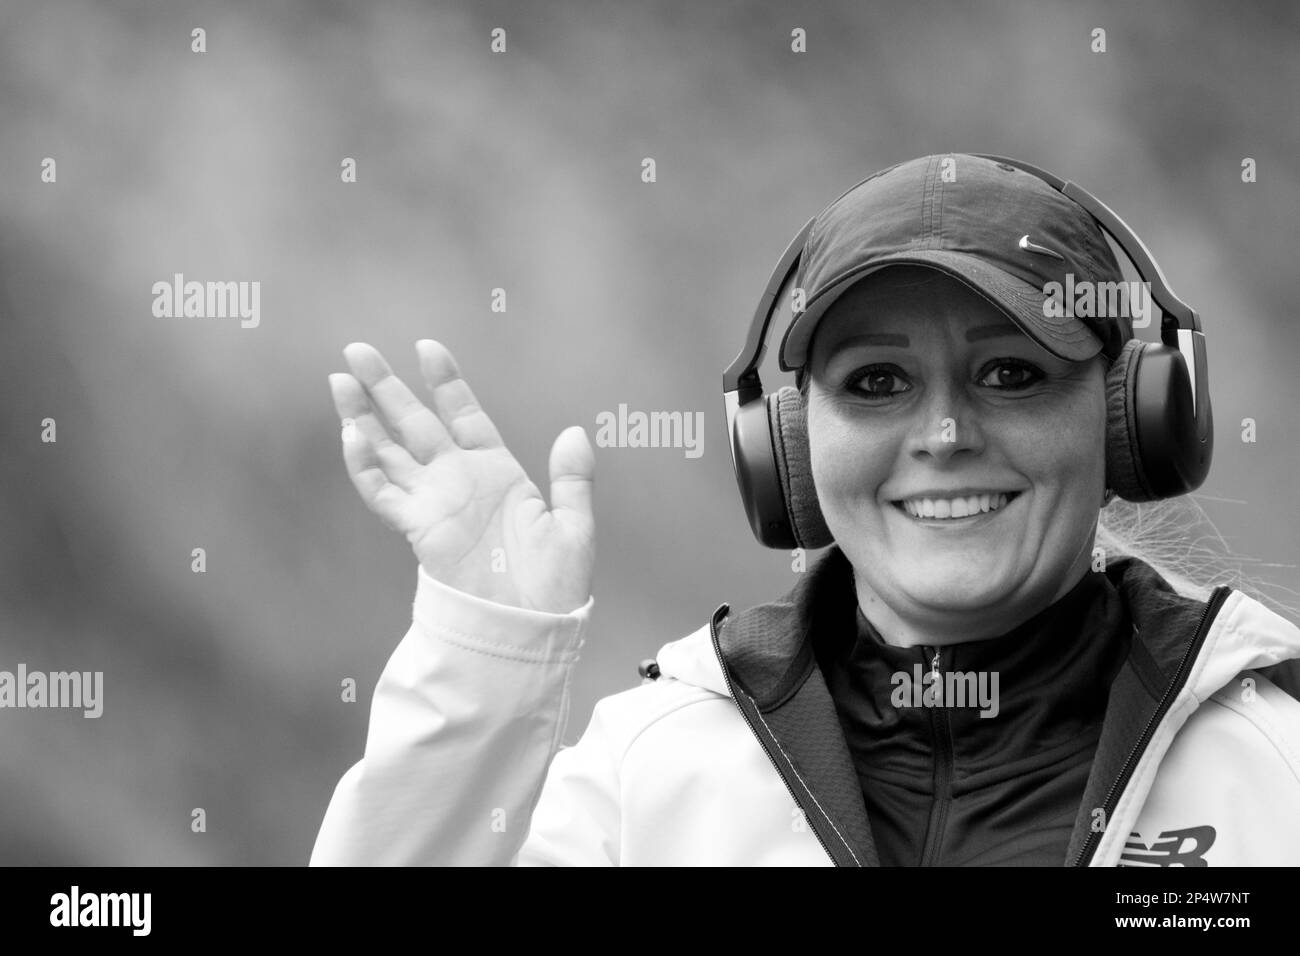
(463, 764)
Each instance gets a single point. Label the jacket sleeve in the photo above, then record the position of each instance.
(467, 715)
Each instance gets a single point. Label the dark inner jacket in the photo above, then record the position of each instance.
(977, 754)
(842, 762)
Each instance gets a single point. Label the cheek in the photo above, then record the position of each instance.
(1069, 450)
(1064, 459)
(849, 463)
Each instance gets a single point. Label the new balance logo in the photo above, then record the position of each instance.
(1172, 848)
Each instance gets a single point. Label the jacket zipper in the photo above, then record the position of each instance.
(723, 610)
(1212, 606)
(943, 770)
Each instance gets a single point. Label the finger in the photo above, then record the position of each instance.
(453, 400)
(366, 472)
(401, 469)
(382, 452)
(352, 403)
(572, 470)
(406, 417)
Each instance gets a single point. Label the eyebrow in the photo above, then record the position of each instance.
(901, 341)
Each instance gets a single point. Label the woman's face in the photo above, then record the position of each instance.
(921, 389)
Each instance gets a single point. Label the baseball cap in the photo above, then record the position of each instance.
(1002, 231)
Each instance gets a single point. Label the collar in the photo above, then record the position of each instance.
(1035, 693)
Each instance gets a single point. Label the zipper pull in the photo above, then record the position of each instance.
(934, 678)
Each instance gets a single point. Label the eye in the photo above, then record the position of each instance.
(874, 381)
(1010, 374)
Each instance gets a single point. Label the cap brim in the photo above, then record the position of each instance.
(1066, 337)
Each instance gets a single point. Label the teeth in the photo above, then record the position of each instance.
(941, 508)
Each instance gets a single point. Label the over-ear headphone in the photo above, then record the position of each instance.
(1159, 424)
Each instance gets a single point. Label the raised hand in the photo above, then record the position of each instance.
(445, 480)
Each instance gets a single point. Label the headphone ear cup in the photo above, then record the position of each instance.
(1124, 471)
(1152, 450)
(789, 418)
(761, 491)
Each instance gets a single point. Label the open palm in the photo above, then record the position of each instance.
(444, 479)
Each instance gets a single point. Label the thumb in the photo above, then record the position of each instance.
(572, 469)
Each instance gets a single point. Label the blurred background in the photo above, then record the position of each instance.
(519, 170)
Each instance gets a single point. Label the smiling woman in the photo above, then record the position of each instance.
(952, 443)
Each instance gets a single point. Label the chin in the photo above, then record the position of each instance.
(965, 587)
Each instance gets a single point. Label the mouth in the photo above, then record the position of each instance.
(962, 510)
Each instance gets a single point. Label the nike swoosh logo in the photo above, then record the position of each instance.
(1035, 247)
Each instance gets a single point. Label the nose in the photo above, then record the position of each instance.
(947, 423)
